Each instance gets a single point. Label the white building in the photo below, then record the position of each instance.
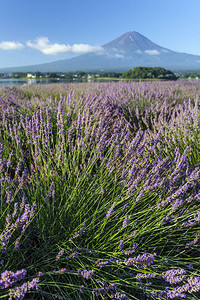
(30, 75)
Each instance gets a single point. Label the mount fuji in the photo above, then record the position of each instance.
(130, 50)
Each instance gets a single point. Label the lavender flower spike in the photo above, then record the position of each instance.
(110, 211)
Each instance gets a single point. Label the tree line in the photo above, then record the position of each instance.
(157, 73)
(149, 73)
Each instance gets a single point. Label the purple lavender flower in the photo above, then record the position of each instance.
(110, 211)
(82, 289)
(17, 243)
(105, 289)
(130, 250)
(174, 276)
(20, 291)
(101, 263)
(141, 261)
(125, 206)
(79, 232)
(60, 254)
(140, 276)
(87, 274)
(121, 245)
(126, 221)
(8, 278)
(51, 193)
(60, 272)
(73, 255)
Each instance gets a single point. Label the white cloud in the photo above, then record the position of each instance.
(118, 51)
(111, 54)
(152, 52)
(80, 48)
(118, 55)
(43, 44)
(6, 45)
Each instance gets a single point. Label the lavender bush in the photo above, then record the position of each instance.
(100, 191)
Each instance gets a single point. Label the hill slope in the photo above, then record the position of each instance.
(127, 51)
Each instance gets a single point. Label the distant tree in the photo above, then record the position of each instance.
(38, 74)
(18, 75)
(68, 76)
(53, 75)
(111, 74)
(148, 72)
(81, 74)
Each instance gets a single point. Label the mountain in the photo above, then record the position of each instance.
(130, 50)
(130, 42)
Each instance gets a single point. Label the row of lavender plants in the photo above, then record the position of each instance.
(100, 191)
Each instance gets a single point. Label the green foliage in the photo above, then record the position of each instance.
(111, 74)
(148, 72)
(189, 74)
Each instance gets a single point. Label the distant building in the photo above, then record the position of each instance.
(90, 76)
(30, 75)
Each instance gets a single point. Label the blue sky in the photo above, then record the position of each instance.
(39, 31)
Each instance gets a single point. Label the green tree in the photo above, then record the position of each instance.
(148, 72)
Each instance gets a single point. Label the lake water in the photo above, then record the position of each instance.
(13, 82)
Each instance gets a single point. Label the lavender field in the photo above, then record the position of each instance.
(100, 191)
